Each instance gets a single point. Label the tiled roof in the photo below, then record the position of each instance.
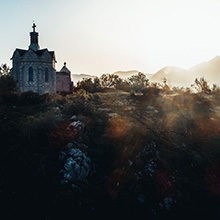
(40, 52)
(65, 69)
(37, 52)
(21, 52)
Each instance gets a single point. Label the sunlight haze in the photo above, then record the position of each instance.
(100, 36)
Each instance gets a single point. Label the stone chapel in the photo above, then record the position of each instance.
(34, 69)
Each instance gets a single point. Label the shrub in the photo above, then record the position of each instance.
(109, 80)
(80, 103)
(7, 84)
(201, 85)
(123, 85)
(138, 82)
(32, 98)
(202, 105)
(89, 85)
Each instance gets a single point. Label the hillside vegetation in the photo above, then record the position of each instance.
(112, 148)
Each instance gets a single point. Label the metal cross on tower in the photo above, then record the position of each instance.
(34, 26)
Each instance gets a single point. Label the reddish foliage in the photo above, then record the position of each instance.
(62, 135)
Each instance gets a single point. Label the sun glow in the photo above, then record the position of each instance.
(148, 35)
(100, 36)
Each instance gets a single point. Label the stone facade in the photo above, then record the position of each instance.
(64, 83)
(34, 69)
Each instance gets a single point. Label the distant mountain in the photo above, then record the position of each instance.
(121, 74)
(209, 70)
(79, 77)
(127, 74)
(181, 77)
(174, 76)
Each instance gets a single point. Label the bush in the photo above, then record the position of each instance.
(202, 105)
(7, 85)
(138, 82)
(81, 103)
(123, 85)
(109, 80)
(89, 85)
(32, 98)
(201, 85)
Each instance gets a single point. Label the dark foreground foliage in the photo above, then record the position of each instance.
(152, 155)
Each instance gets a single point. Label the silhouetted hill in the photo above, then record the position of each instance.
(174, 76)
(210, 70)
(126, 74)
(79, 77)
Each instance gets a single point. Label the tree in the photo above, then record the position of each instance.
(123, 85)
(4, 70)
(109, 80)
(202, 86)
(89, 85)
(165, 86)
(7, 83)
(138, 82)
(96, 84)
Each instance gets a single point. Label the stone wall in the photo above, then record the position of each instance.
(63, 83)
(20, 72)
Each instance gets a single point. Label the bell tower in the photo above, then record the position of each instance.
(34, 39)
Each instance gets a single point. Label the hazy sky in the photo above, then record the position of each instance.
(103, 36)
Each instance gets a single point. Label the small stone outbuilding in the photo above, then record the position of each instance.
(64, 83)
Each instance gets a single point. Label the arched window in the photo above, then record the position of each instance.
(46, 75)
(30, 74)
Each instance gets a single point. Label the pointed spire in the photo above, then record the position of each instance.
(34, 39)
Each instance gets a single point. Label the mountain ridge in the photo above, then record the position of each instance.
(174, 75)
(210, 70)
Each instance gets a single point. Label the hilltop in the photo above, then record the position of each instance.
(210, 70)
(126, 74)
(79, 77)
(175, 76)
